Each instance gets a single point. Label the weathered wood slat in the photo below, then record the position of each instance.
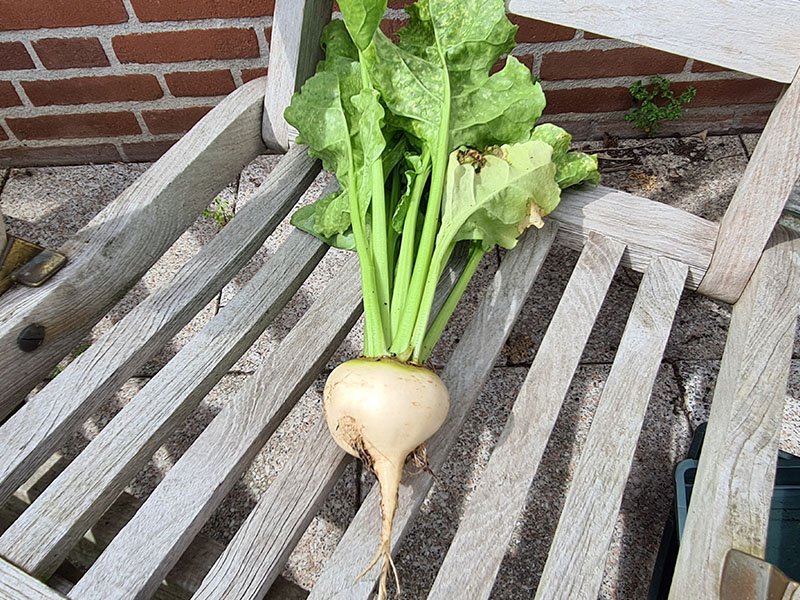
(293, 55)
(465, 374)
(110, 254)
(648, 229)
(474, 557)
(261, 547)
(736, 472)
(180, 583)
(145, 550)
(259, 550)
(15, 584)
(577, 557)
(758, 201)
(36, 430)
(43, 536)
(759, 38)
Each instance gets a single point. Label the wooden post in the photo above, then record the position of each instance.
(758, 201)
(293, 56)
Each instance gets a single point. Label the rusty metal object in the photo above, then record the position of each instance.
(745, 577)
(27, 263)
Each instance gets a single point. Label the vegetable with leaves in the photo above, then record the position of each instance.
(431, 149)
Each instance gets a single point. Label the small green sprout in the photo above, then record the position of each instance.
(220, 211)
(656, 103)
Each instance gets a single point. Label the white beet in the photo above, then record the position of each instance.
(381, 411)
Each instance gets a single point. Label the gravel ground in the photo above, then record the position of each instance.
(697, 174)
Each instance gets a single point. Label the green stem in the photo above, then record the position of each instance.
(380, 248)
(436, 329)
(408, 244)
(374, 341)
(402, 343)
(394, 198)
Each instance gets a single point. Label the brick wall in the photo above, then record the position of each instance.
(110, 80)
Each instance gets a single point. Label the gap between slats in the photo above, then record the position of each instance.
(475, 555)
(44, 534)
(30, 436)
(146, 549)
(577, 557)
(465, 374)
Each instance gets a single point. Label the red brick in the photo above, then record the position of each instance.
(588, 35)
(175, 120)
(14, 56)
(25, 156)
(587, 100)
(703, 67)
(93, 90)
(399, 3)
(531, 30)
(391, 26)
(722, 92)
(250, 74)
(70, 53)
(178, 46)
(172, 10)
(590, 64)
(3, 135)
(146, 151)
(35, 14)
(8, 95)
(755, 121)
(201, 83)
(53, 127)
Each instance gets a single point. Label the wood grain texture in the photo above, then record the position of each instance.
(737, 466)
(758, 201)
(465, 374)
(43, 536)
(474, 557)
(259, 550)
(293, 55)
(106, 258)
(180, 583)
(759, 38)
(577, 556)
(37, 429)
(647, 228)
(147, 548)
(15, 584)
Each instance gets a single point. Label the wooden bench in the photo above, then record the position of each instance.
(744, 260)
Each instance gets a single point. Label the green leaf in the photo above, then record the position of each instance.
(576, 167)
(572, 167)
(497, 196)
(454, 44)
(337, 43)
(416, 169)
(362, 18)
(305, 219)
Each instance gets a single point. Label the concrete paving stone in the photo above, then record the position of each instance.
(694, 175)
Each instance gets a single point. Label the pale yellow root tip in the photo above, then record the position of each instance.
(383, 554)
